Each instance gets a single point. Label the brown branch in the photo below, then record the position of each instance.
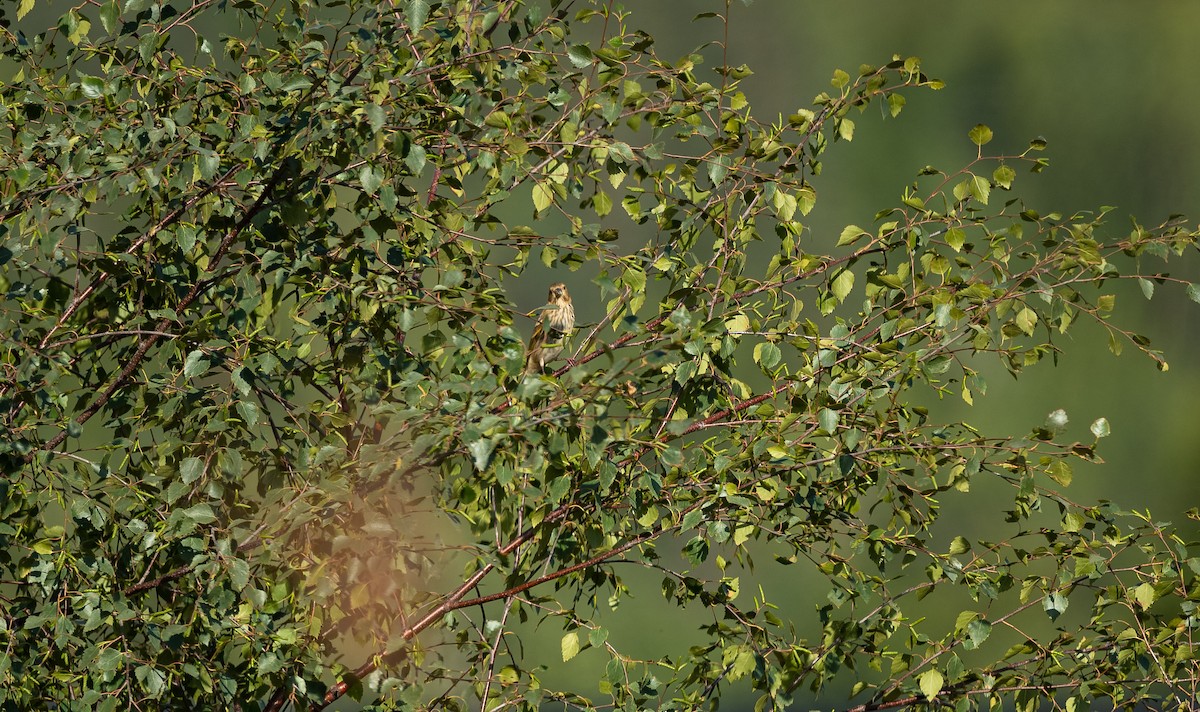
(280, 698)
(521, 588)
(453, 604)
(153, 583)
(252, 541)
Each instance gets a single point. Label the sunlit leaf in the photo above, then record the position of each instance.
(980, 135)
(930, 682)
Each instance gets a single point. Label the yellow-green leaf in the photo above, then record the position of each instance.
(845, 129)
(1004, 176)
(1060, 472)
(1145, 595)
(543, 196)
(1026, 320)
(570, 646)
(842, 284)
(931, 682)
(767, 354)
(851, 234)
(981, 189)
(955, 238)
(980, 135)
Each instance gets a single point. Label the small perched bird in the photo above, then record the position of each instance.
(553, 326)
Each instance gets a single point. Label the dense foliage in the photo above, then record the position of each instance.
(264, 404)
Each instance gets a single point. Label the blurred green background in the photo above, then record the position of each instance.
(1111, 86)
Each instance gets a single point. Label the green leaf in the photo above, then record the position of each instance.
(981, 189)
(375, 116)
(649, 517)
(580, 55)
(200, 513)
(543, 196)
(1055, 604)
(1100, 428)
(980, 135)
(1004, 176)
(498, 120)
(621, 152)
(978, 631)
(1193, 292)
(191, 469)
(23, 8)
(931, 682)
(559, 488)
(239, 573)
(209, 163)
(148, 46)
(569, 645)
(1147, 287)
(784, 204)
(1060, 472)
(109, 660)
(767, 355)
(195, 364)
(806, 198)
(1026, 320)
(827, 419)
(851, 234)
(370, 178)
(240, 377)
(110, 16)
(955, 238)
(602, 204)
(845, 129)
(415, 160)
(718, 168)
(93, 87)
(962, 189)
(20, 176)
(417, 12)
(740, 660)
(151, 679)
(842, 283)
(1145, 595)
(481, 452)
(248, 411)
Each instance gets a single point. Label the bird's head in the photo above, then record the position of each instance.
(558, 293)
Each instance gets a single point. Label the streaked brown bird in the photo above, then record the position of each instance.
(553, 327)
